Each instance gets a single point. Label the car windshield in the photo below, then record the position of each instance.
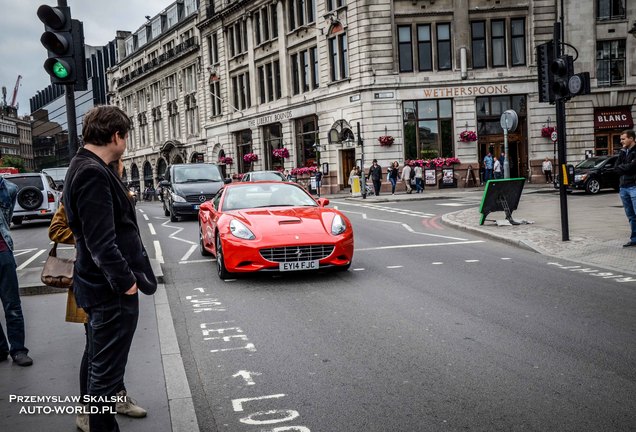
(590, 163)
(266, 175)
(197, 173)
(266, 195)
(22, 182)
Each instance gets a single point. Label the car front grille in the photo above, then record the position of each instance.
(196, 199)
(297, 253)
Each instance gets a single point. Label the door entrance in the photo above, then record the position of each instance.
(347, 162)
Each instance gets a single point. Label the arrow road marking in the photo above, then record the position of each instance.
(247, 376)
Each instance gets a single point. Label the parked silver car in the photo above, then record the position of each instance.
(38, 197)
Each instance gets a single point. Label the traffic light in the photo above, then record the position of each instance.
(545, 53)
(579, 84)
(64, 40)
(562, 68)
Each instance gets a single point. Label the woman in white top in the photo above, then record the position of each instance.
(546, 167)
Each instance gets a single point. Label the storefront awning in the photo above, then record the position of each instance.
(613, 118)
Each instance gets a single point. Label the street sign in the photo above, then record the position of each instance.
(554, 137)
(509, 120)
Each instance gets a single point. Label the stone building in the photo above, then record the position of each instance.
(329, 79)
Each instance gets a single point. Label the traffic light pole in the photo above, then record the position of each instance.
(71, 120)
(561, 131)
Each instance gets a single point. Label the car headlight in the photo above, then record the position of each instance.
(580, 177)
(338, 226)
(177, 198)
(241, 231)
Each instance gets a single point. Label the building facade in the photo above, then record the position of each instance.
(329, 80)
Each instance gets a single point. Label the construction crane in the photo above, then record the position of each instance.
(14, 98)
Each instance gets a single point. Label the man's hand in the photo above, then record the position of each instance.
(132, 290)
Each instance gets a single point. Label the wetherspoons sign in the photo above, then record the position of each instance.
(486, 90)
(270, 118)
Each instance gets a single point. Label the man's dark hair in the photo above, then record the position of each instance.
(630, 133)
(101, 122)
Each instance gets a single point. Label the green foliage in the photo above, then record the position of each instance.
(13, 161)
(429, 154)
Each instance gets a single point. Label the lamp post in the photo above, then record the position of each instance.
(363, 183)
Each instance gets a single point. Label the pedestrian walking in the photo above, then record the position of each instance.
(626, 167)
(111, 263)
(406, 177)
(59, 232)
(546, 167)
(496, 169)
(394, 175)
(418, 178)
(13, 342)
(488, 165)
(375, 174)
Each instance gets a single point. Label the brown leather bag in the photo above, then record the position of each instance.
(57, 272)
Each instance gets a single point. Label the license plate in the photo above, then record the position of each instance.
(298, 265)
(196, 207)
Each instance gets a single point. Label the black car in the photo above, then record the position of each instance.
(594, 174)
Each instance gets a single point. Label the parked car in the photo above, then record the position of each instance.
(186, 186)
(263, 175)
(58, 175)
(273, 226)
(594, 174)
(38, 197)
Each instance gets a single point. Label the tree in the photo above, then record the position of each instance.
(12, 161)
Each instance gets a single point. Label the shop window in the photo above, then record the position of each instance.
(338, 53)
(306, 133)
(428, 128)
(243, 140)
(273, 139)
(610, 9)
(610, 63)
(489, 110)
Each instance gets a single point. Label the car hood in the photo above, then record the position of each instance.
(206, 188)
(287, 221)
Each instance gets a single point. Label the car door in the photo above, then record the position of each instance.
(608, 178)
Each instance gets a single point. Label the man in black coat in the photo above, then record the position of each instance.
(626, 167)
(375, 174)
(111, 263)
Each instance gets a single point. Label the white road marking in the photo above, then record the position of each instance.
(418, 245)
(394, 267)
(152, 229)
(30, 260)
(471, 261)
(19, 252)
(411, 230)
(174, 234)
(247, 376)
(506, 259)
(146, 217)
(198, 261)
(437, 263)
(158, 253)
(188, 253)
(358, 269)
(451, 204)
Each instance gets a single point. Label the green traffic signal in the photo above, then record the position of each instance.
(59, 70)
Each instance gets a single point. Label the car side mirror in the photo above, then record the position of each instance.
(227, 180)
(323, 202)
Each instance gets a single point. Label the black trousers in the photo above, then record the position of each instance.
(377, 184)
(110, 334)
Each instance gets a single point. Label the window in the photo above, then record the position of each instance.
(155, 27)
(213, 48)
(172, 16)
(478, 44)
(334, 4)
(610, 9)
(273, 139)
(610, 63)
(269, 82)
(301, 12)
(190, 76)
(173, 120)
(156, 125)
(489, 110)
(141, 37)
(265, 24)
(424, 48)
(428, 128)
(243, 146)
(192, 115)
(444, 55)
(155, 91)
(215, 92)
(339, 63)
(190, 7)
(130, 46)
(237, 38)
(305, 70)
(306, 133)
(518, 41)
(405, 49)
(241, 91)
(143, 129)
(141, 100)
(498, 43)
(171, 87)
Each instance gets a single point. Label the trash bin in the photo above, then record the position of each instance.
(356, 190)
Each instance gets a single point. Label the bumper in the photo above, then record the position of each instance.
(186, 208)
(35, 214)
(243, 256)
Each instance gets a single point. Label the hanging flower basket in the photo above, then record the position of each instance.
(386, 140)
(226, 160)
(468, 136)
(250, 157)
(281, 153)
(304, 171)
(546, 131)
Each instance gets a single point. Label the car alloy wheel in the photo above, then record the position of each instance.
(202, 249)
(220, 263)
(592, 186)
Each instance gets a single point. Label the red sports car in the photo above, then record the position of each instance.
(273, 226)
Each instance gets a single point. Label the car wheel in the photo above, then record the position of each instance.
(592, 186)
(173, 217)
(17, 221)
(220, 262)
(30, 198)
(202, 249)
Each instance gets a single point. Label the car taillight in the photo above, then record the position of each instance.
(51, 197)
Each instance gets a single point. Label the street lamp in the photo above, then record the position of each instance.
(361, 144)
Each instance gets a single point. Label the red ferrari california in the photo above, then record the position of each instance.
(273, 226)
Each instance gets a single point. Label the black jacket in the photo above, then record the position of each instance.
(110, 253)
(626, 167)
(375, 173)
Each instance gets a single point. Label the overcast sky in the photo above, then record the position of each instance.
(21, 52)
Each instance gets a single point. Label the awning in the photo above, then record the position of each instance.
(613, 118)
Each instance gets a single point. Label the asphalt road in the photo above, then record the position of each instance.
(431, 329)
